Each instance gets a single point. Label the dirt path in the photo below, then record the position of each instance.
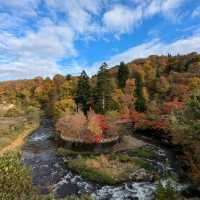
(19, 141)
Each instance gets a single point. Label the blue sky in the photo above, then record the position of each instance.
(46, 37)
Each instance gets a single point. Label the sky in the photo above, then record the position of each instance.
(47, 37)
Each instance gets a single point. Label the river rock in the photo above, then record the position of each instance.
(141, 175)
(67, 189)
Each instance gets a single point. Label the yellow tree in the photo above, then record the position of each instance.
(194, 84)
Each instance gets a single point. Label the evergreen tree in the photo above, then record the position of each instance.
(68, 77)
(103, 90)
(83, 90)
(123, 74)
(140, 103)
(157, 72)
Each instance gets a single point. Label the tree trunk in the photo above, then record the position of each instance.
(103, 102)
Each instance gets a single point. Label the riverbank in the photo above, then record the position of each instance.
(20, 137)
(182, 153)
(16, 125)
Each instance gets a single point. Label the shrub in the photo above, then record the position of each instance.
(194, 84)
(136, 116)
(193, 107)
(101, 126)
(112, 116)
(166, 193)
(15, 182)
(63, 106)
(72, 125)
(168, 107)
(195, 128)
(33, 113)
(95, 123)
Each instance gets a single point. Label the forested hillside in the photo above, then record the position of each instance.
(159, 93)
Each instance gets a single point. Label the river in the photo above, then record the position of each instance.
(49, 173)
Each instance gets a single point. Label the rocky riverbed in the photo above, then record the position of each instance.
(50, 175)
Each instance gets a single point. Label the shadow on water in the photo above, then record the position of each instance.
(49, 173)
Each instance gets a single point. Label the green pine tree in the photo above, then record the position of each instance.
(123, 74)
(103, 90)
(157, 72)
(140, 103)
(83, 92)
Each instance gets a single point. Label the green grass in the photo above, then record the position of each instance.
(90, 173)
(71, 153)
(66, 152)
(107, 169)
(145, 152)
(121, 157)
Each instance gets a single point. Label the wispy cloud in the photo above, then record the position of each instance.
(20, 7)
(196, 12)
(153, 47)
(122, 19)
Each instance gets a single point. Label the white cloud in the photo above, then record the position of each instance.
(121, 19)
(28, 68)
(20, 7)
(36, 53)
(168, 8)
(154, 47)
(7, 22)
(153, 8)
(171, 4)
(196, 12)
(91, 5)
(79, 12)
(49, 42)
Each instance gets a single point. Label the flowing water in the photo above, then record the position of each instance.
(49, 174)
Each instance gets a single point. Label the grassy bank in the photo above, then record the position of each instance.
(107, 169)
(15, 144)
(12, 136)
(16, 124)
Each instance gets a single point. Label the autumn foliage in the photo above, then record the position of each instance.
(168, 107)
(93, 128)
